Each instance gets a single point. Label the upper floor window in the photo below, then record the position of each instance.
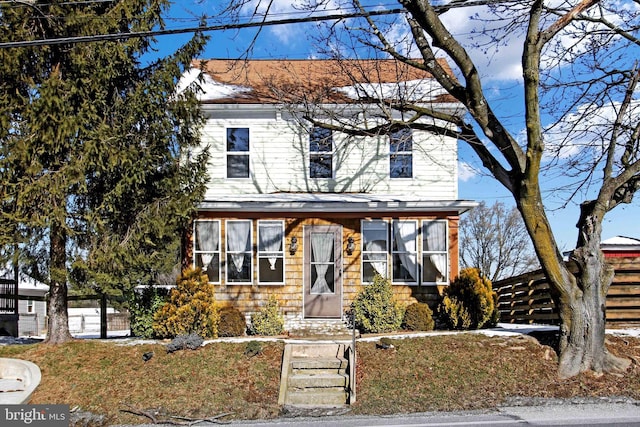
(206, 248)
(239, 260)
(320, 153)
(270, 252)
(435, 255)
(375, 246)
(404, 251)
(401, 153)
(237, 152)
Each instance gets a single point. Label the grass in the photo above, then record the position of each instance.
(440, 372)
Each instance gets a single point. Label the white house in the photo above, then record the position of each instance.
(309, 213)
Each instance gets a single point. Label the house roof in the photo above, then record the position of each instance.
(620, 243)
(331, 202)
(312, 81)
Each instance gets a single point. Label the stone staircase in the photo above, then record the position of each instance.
(315, 376)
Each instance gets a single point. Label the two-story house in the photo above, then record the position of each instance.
(309, 213)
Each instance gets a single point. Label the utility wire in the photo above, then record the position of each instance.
(202, 28)
(221, 27)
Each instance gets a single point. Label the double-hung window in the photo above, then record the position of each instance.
(238, 249)
(206, 248)
(435, 259)
(375, 246)
(320, 153)
(401, 153)
(270, 252)
(237, 152)
(404, 251)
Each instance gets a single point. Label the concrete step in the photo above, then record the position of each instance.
(327, 397)
(314, 375)
(324, 364)
(318, 380)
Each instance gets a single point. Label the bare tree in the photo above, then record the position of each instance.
(578, 68)
(495, 240)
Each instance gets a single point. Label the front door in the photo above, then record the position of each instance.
(323, 271)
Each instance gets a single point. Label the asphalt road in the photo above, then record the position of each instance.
(569, 414)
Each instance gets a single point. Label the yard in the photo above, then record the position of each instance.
(433, 373)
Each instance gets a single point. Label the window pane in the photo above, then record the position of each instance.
(212, 269)
(271, 270)
(320, 140)
(320, 166)
(374, 236)
(237, 166)
(401, 166)
(434, 236)
(239, 268)
(404, 266)
(431, 268)
(238, 139)
(270, 252)
(207, 236)
(401, 141)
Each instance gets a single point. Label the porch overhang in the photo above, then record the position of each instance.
(331, 203)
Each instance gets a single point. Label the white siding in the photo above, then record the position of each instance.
(279, 160)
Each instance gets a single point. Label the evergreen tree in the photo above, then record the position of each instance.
(96, 168)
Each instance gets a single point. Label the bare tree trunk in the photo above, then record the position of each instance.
(58, 329)
(583, 314)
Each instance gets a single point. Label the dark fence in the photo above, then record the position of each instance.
(526, 298)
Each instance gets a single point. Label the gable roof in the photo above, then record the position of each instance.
(313, 81)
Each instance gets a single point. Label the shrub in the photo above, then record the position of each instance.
(267, 321)
(470, 302)
(375, 310)
(191, 308)
(418, 317)
(231, 323)
(143, 306)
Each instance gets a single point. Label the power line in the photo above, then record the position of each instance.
(202, 28)
(221, 27)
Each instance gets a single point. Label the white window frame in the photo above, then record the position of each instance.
(30, 306)
(381, 252)
(268, 254)
(237, 153)
(401, 153)
(329, 153)
(444, 252)
(414, 253)
(195, 245)
(245, 252)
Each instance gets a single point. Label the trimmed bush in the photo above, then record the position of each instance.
(191, 308)
(143, 307)
(375, 310)
(267, 321)
(232, 323)
(470, 302)
(418, 317)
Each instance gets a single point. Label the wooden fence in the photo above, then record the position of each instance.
(526, 298)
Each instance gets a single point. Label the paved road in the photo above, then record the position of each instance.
(589, 414)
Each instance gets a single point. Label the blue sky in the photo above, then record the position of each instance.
(500, 68)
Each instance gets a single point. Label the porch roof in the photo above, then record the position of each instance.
(331, 202)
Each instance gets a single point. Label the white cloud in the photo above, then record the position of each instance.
(466, 172)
